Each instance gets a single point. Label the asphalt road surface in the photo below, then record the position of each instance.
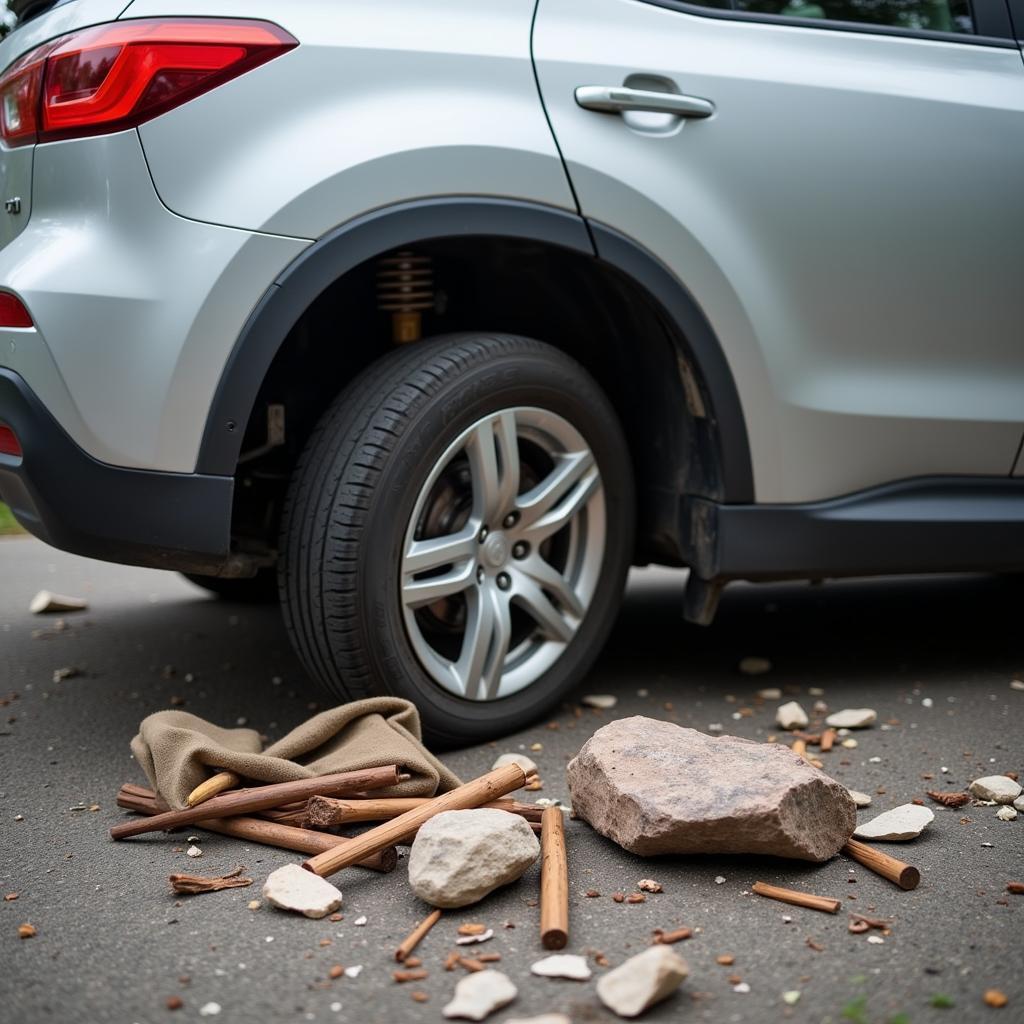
(935, 658)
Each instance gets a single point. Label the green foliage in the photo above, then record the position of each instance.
(7, 521)
(942, 1002)
(856, 1011)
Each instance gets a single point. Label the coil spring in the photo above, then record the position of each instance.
(405, 283)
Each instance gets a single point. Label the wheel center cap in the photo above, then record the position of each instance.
(496, 550)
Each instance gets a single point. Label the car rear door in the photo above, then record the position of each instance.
(849, 216)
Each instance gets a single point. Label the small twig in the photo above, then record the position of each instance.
(191, 885)
(799, 899)
(416, 935)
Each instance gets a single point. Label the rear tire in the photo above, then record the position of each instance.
(501, 450)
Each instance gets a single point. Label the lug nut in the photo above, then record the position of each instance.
(510, 520)
(520, 549)
(503, 581)
(482, 535)
(479, 574)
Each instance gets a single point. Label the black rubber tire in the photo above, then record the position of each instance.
(258, 589)
(353, 491)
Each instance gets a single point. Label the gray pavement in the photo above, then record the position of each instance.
(113, 944)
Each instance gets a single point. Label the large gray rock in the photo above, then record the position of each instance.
(458, 857)
(655, 788)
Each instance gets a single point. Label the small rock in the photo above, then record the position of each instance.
(860, 799)
(479, 994)
(719, 879)
(522, 760)
(791, 998)
(791, 716)
(1019, 803)
(642, 981)
(194, 851)
(1006, 813)
(605, 701)
(212, 1009)
(562, 965)
(852, 718)
(715, 727)
(68, 672)
(469, 940)
(850, 743)
(27, 931)
(45, 602)
(995, 998)
(649, 885)
(907, 821)
(292, 888)
(770, 693)
(254, 904)
(458, 857)
(1016, 684)
(741, 987)
(354, 971)
(360, 921)
(995, 787)
(753, 666)
(876, 940)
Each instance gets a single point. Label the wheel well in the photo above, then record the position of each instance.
(588, 308)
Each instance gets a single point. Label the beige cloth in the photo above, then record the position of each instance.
(178, 751)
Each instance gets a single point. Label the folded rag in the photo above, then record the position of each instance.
(178, 750)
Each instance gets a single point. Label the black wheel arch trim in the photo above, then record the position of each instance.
(380, 231)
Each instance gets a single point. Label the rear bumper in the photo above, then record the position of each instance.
(67, 498)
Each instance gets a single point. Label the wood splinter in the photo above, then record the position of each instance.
(325, 811)
(191, 885)
(416, 935)
(896, 871)
(554, 881)
(799, 899)
(212, 786)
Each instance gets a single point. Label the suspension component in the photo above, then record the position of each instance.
(405, 288)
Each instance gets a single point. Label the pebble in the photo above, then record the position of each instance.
(852, 718)
(905, 822)
(742, 987)
(1019, 803)
(194, 851)
(815, 691)
(291, 888)
(770, 693)
(469, 940)
(45, 602)
(479, 994)
(605, 701)
(212, 1009)
(360, 921)
(715, 727)
(562, 965)
(850, 744)
(1006, 813)
(1017, 684)
(876, 940)
(860, 799)
(720, 880)
(527, 764)
(753, 666)
(791, 998)
(791, 716)
(354, 971)
(995, 787)
(643, 980)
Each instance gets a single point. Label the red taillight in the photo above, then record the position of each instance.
(9, 443)
(13, 312)
(116, 76)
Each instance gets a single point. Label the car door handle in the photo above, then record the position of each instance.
(618, 99)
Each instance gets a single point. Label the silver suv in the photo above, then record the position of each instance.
(433, 318)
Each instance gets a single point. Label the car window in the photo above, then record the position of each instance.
(909, 15)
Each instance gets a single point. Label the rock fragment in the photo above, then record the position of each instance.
(905, 822)
(770, 693)
(1006, 813)
(46, 602)
(604, 701)
(860, 799)
(479, 994)
(292, 888)
(995, 787)
(562, 965)
(643, 980)
(458, 857)
(658, 788)
(852, 718)
(791, 716)
(524, 762)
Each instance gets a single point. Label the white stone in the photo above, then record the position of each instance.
(211, 1009)
(544, 1018)
(907, 821)
(1006, 813)
(45, 602)
(753, 666)
(995, 787)
(850, 743)
(642, 981)
(469, 940)
(605, 701)
(360, 921)
(770, 693)
(354, 971)
(791, 716)
(294, 888)
(1019, 803)
(458, 857)
(1017, 684)
(193, 851)
(852, 718)
(522, 760)
(860, 799)
(562, 965)
(876, 940)
(719, 879)
(478, 995)
(792, 997)
(741, 987)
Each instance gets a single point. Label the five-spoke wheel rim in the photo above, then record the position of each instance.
(503, 553)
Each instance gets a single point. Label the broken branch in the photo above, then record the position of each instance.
(193, 884)
(799, 899)
(554, 881)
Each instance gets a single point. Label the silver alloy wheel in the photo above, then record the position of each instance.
(503, 553)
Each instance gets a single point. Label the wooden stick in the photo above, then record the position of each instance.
(902, 874)
(554, 881)
(413, 939)
(828, 737)
(212, 786)
(256, 830)
(488, 787)
(325, 811)
(799, 747)
(259, 797)
(800, 899)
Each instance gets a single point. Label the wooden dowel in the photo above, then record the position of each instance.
(267, 833)
(799, 747)
(799, 899)
(904, 875)
(828, 737)
(257, 798)
(488, 787)
(414, 938)
(325, 811)
(554, 881)
(212, 786)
